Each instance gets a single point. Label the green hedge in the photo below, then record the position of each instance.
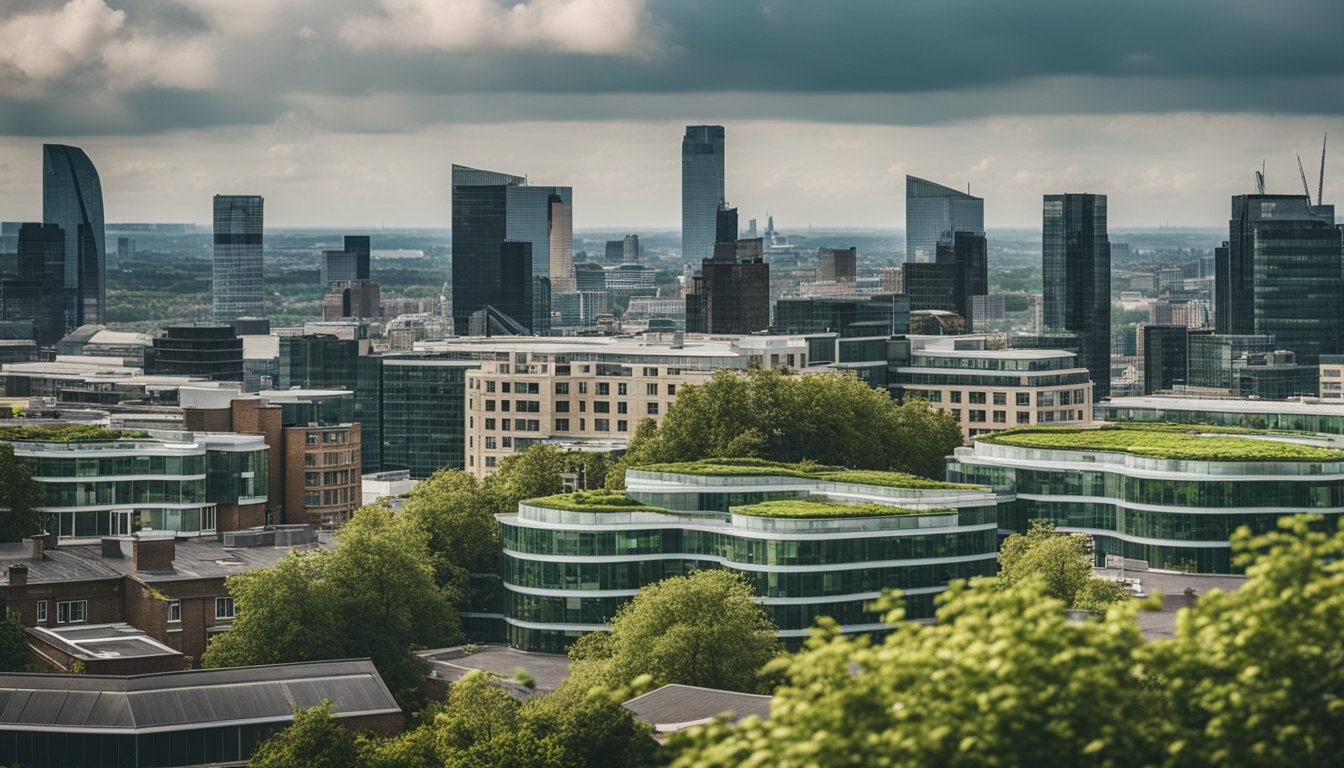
(1163, 442)
(823, 510)
(592, 501)
(762, 468)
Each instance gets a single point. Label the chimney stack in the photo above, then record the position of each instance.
(36, 546)
(18, 576)
(153, 551)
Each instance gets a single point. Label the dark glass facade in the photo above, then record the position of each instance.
(35, 289)
(968, 254)
(1076, 275)
(212, 352)
(1165, 351)
(702, 174)
(932, 212)
(929, 285)
(850, 316)
(423, 415)
(237, 277)
(72, 198)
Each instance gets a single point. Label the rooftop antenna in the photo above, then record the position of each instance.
(1320, 185)
(1305, 189)
(1260, 179)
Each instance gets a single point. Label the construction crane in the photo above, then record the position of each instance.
(1306, 190)
(1320, 185)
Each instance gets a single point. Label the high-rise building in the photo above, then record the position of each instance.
(933, 212)
(732, 292)
(211, 352)
(352, 300)
(630, 249)
(701, 190)
(237, 282)
(968, 255)
(1165, 357)
(1076, 267)
(36, 289)
(125, 251)
(349, 263)
(561, 248)
(490, 208)
(72, 198)
(930, 286)
(1280, 274)
(837, 265)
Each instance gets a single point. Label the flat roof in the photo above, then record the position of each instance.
(190, 699)
(994, 354)
(103, 641)
(549, 670)
(563, 345)
(675, 707)
(1318, 408)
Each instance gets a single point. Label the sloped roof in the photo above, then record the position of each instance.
(189, 699)
(675, 707)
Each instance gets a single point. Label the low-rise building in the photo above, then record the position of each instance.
(812, 543)
(1332, 377)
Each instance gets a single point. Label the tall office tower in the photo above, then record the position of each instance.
(615, 251)
(1076, 274)
(837, 265)
(36, 289)
(490, 208)
(933, 212)
(72, 198)
(701, 190)
(928, 286)
(1279, 274)
(630, 249)
(237, 285)
(125, 250)
(561, 246)
(732, 292)
(968, 255)
(349, 263)
(1166, 352)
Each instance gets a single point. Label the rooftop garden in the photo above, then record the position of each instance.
(820, 510)
(733, 467)
(61, 433)
(1162, 441)
(592, 501)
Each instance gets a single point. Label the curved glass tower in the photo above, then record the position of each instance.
(72, 198)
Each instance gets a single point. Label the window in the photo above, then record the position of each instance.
(977, 398)
(489, 405)
(956, 414)
(562, 406)
(1023, 417)
(489, 423)
(671, 390)
(504, 405)
(310, 438)
(622, 407)
(174, 611)
(489, 443)
(490, 461)
(651, 390)
(72, 612)
(1045, 399)
(621, 390)
(504, 387)
(650, 371)
(41, 611)
(603, 389)
(583, 406)
(489, 386)
(601, 406)
(1000, 398)
(508, 442)
(507, 425)
(977, 416)
(653, 409)
(562, 388)
(622, 426)
(583, 387)
(562, 425)
(1000, 417)
(956, 397)
(223, 608)
(602, 425)
(1023, 398)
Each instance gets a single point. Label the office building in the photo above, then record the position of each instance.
(867, 314)
(1332, 377)
(72, 199)
(1250, 365)
(732, 292)
(632, 277)
(352, 300)
(35, 290)
(504, 233)
(929, 286)
(590, 276)
(1165, 354)
(1280, 274)
(837, 265)
(237, 279)
(349, 263)
(581, 309)
(423, 414)
(702, 190)
(967, 254)
(987, 390)
(986, 309)
(933, 212)
(1076, 276)
(1171, 499)
(912, 536)
(615, 251)
(212, 352)
(125, 251)
(1311, 418)
(630, 249)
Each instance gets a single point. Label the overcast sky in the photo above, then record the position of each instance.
(350, 112)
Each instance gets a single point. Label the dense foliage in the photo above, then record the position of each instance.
(1062, 564)
(14, 655)
(20, 497)
(1164, 442)
(703, 629)
(831, 419)
(374, 595)
(313, 740)
(823, 510)
(1005, 678)
(64, 433)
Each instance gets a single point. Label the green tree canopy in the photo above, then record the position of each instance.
(20, 496)
(14, 654)
(313, 740)
(829, 418)
(1062, 562)
(457, 515)
(703, 629)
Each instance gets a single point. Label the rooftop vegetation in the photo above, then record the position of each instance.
(592, 501)
(819, 510)
(1164, 441)
(61, 433)
(733, 467)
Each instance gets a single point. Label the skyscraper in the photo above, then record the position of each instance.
(933, 212)
(36, 289)
(1076, 267)
(561, 248)
(1280, 274)
(237, 284)
(701, 190)
(732, 292)
(72, 198)
(490, 208)
(349, 263)
(837, 265)
(968, 255)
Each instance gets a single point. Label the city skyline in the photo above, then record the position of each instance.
(352, 112)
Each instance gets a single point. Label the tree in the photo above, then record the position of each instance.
(832, 419)
(313, 740)
(458, 517)
(285, 613)
(1002, 678)
(537, 472)
(1061, 561)
(20, 496)
(14, 654)
(703, 629)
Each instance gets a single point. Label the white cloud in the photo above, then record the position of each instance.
(87, 39)
(595, 27)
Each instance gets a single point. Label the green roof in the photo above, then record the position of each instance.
(592, 501)
(823, 510)
(1164, 441)
(61, 433)
(761, 468)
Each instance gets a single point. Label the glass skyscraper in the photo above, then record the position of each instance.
(701, 190)
(72, 198)
(1280, 274)
(933, 212)
(237, 284)
(1076, 267)
(490, 208)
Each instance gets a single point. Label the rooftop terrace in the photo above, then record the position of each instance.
(1167, 441)
(743, 467)
(819, 510)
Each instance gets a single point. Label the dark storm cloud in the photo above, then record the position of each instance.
(858, 61)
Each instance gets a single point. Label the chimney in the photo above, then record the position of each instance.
(36, 545)
(153, 551)
(18, 576)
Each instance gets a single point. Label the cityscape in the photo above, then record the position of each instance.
(970, 407)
